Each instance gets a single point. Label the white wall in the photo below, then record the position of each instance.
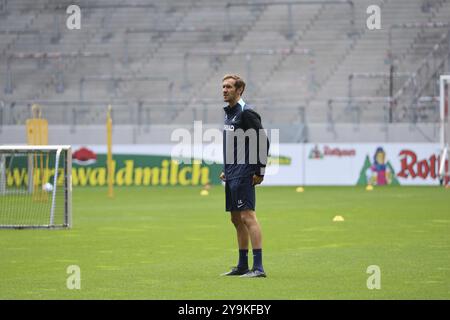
(315, 133)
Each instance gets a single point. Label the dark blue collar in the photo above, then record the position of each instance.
(239, 105)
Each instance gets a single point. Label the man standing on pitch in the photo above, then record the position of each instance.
(245, 149)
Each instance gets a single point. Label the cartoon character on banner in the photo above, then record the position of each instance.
(379, 173)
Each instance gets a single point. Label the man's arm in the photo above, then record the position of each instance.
(252, 120)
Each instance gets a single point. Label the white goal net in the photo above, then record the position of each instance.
(35, 186)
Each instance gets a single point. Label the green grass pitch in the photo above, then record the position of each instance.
(172, 243)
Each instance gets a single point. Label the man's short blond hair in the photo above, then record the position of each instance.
(238, 81)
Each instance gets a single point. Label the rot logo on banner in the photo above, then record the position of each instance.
(412, 167)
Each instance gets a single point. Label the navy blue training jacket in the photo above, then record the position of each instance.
(240, 163)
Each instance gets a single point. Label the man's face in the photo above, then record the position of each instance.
(229, 91)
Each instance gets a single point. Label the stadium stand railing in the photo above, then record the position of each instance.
(164, 39)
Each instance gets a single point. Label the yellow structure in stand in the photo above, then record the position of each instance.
(37, 135)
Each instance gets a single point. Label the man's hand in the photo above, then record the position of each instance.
(257, 179)
(222, 176)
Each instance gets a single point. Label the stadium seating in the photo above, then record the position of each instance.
(171, 55)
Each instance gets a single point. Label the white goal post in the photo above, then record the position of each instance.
(444, 100)
(35, 186)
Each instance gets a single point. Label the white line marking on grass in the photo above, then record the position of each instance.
(440, 221)
(433, 281)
